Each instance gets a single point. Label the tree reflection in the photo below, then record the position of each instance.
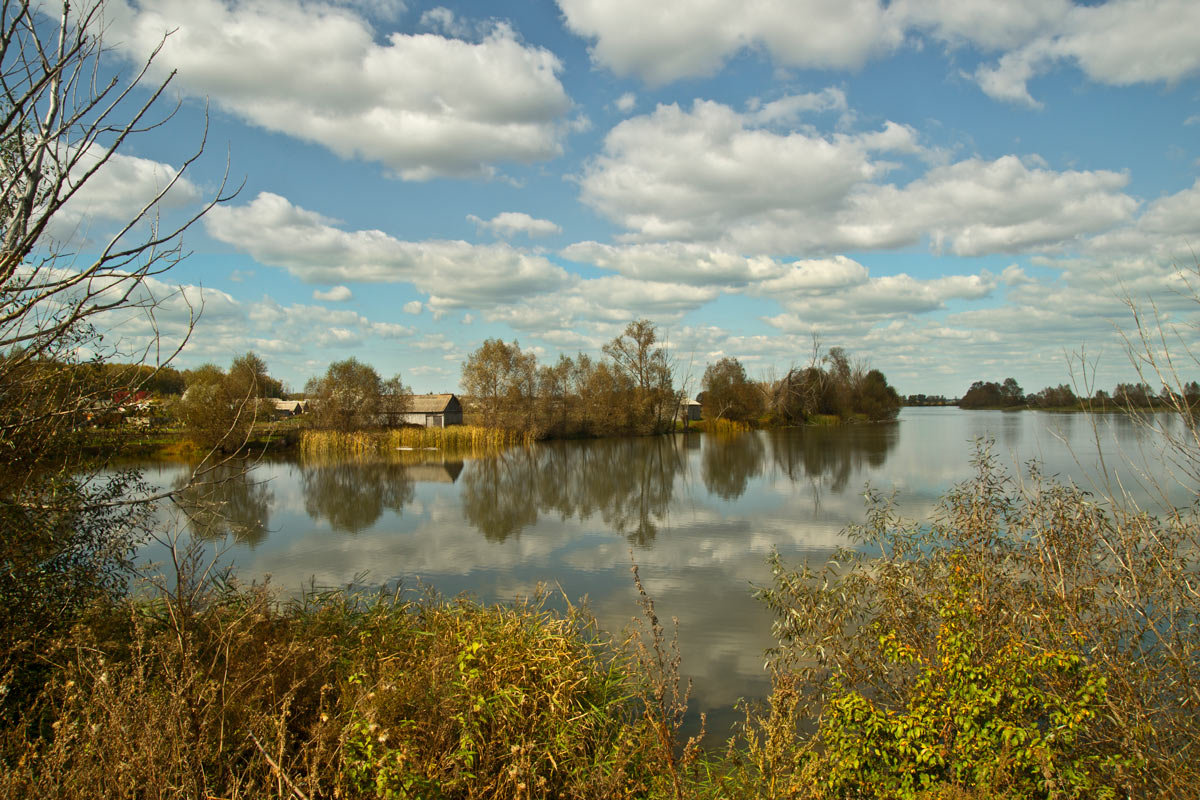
(352, 495)
(729, 462)
(228, 502)
(628, 482)
(834, 453)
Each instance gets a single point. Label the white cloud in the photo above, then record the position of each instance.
(117, 192)
(790, 107)
(313, 248)
(984, 23)
(685, 38)
(412, 307)
(510, 223)
(686, 174)
(626, 102)
(710, 174)
(611, 301)
(693, 264)
(1117, 42)
(335, 295)
(423, 105)
(1121, 42)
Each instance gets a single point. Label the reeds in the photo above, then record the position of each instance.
(721, 426)
(462, 440)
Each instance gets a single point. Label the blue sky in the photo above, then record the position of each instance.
(952, 190)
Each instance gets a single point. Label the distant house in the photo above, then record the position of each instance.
(287, 408)
(430, 411)
(689, 410)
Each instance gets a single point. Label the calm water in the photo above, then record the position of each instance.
(699, 515)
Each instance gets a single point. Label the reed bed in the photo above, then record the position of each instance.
(721, 426)
(459, 440)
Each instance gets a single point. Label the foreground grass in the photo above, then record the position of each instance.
(228, 693)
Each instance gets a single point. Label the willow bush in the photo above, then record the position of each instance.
(1028, 641)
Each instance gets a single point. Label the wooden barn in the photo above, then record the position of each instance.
(432, 411)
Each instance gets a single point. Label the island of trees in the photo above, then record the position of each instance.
(1139, 395)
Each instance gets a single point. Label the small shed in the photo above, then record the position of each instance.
(287, 408)
(433, 411)
(689, 410)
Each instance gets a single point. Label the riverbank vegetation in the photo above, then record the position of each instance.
(1024, 642)
(458, 439)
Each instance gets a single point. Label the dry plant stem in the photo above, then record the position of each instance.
(665, 705)
(277, 769)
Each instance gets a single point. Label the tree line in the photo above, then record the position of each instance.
(633, 389)
(1140, 395)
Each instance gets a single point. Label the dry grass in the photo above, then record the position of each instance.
(721, 426)
(458, 440)
(230, 694)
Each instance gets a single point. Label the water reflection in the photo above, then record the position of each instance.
(352, 495)
(628, 482)
(729, 462)
(832, 454)
(703, 512)
(229, 501)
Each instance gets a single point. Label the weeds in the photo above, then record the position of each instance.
(338, 694)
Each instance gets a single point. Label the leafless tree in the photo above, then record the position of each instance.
(62, 122)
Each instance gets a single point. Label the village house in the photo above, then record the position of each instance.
(287, 408)
(430, 411)
(689, 410)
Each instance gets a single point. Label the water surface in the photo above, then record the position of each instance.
(698, 514)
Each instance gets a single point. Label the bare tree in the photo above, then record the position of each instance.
(64, 534)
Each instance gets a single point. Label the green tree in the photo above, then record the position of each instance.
(502, 381)
(219, 409)
(348, 397)
(637, 354)
(728, 393)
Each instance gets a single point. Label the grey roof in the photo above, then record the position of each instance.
(429, 403)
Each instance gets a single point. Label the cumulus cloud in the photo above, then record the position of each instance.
(412, 307)
(423, 105)
(713, 174)
(335, 295)
(1121, 42)
(510, 223)
(1118, 42)
(311, 247)
(685, 38)
(684, 174)
(611, 301)
(117, 192)
(626, 102)
(678, 262)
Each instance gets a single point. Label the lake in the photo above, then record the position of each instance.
(699, 514)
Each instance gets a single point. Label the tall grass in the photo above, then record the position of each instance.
(457, 439)
(226, 692)
(721, 426)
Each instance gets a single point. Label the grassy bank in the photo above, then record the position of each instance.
(226, 692)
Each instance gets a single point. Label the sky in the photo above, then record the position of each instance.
(952, 190)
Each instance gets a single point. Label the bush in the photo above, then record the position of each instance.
(335, 695)
(1026, 641)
